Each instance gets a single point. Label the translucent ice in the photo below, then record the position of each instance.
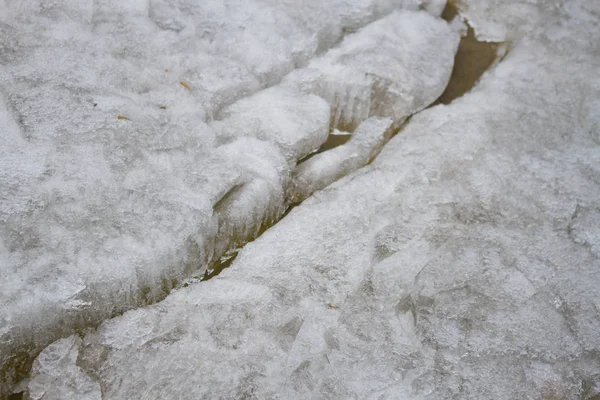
(258, 199)
(72, 383)
(460, 264)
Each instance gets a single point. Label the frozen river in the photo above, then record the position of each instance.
(393, 199)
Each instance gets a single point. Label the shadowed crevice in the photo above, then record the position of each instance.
(472, 59)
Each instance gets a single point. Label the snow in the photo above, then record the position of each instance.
(462, 263)
(142, 140)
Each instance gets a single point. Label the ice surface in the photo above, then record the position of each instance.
(434, 7)
(140, 140)
(461, 264)
(259, 198)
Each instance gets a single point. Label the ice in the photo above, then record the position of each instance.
(434, 7)
(331, 20)
(460, 264)
(140, 141)
(258, 200)
(391, 68)
(325, 168)
(502, 21)
(269, 37)
(297, 123)
(73, 383)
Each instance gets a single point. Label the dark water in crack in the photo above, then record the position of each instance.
(472, 59)
(333, 141)
(217, 267)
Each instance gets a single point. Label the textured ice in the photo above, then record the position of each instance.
(462, 263)
(434, 7)
(140, 140)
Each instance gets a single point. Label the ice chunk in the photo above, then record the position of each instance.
(296, 122)
(216, 81)
(257, 35)
(74, 382)
(460, 263)
(391, 68)
(325, 168)
(434, 7)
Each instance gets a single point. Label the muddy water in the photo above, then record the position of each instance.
(472, 59)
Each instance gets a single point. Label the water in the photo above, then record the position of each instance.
(473, 58)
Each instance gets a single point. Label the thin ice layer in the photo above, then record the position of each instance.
(325, 168)
(461, 264)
